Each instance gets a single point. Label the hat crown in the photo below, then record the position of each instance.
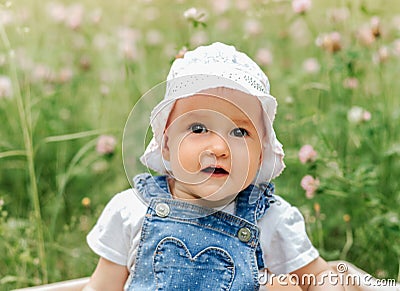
(222, 60)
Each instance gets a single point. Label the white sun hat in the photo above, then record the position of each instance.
(213, 66)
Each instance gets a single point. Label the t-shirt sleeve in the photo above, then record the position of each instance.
(288, 247)
(111, 235)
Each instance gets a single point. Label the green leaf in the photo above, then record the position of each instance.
(72, 136)
(12, 153)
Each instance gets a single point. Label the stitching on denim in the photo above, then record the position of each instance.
(250, 243)
(143, 235)
(219, 214)
(189, 256)
(254, 270)
(239, 222)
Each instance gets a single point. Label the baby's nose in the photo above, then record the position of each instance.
(218, 146)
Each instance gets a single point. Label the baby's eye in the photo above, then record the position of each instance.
(198, 128)
(239, 132)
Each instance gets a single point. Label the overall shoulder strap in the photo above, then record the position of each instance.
(251, 204)
(149, 186)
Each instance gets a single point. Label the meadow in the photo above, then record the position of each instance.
(70, 73)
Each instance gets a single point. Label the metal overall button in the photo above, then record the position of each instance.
(162, 209)
(244, 234)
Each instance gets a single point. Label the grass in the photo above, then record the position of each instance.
(76, 78)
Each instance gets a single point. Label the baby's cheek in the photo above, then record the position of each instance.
(188, 158)
(239, 153)
(244, 163)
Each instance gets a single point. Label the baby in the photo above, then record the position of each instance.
(211, 221)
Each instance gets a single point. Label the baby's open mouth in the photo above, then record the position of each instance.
(215, 170)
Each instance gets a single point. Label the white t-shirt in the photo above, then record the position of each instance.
(284, 241)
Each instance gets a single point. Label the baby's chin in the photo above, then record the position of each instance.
(215, 199)
(211, 192)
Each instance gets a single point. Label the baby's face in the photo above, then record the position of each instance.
(213, 144)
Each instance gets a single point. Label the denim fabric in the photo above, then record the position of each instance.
(187, 247)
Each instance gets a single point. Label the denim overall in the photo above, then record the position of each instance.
(188, 247)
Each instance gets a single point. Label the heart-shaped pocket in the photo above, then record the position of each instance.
(176, 269)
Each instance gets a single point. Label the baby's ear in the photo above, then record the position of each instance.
(165, 149)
